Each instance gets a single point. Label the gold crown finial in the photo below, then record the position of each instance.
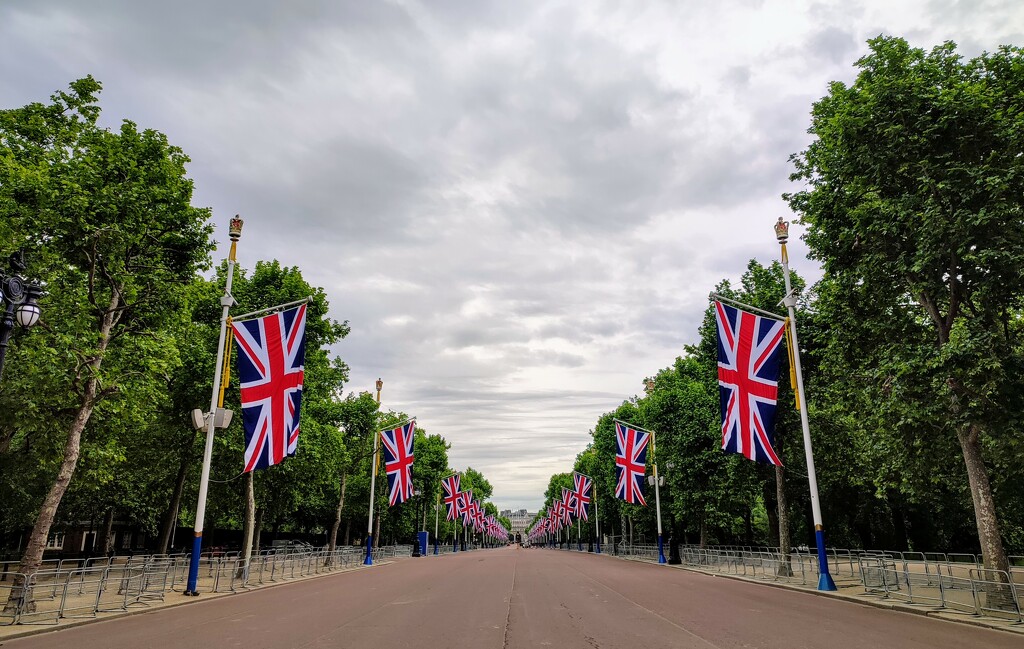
(235, 227)
(782, 230)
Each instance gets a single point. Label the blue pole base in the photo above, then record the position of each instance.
(436, 551)
(825, 582)
(368, 561)
(193, 565)
(661, 550)
(597, 548)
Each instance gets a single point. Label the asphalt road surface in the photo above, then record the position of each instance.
(516, 599)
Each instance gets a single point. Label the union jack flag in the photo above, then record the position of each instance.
(568, 506)
(748, 381)
(398, 458)
(465, 506)
(271, 353)
(451, 496)
(630, 463)
(582, 483)
(476, 516)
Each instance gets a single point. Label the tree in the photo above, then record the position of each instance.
(110, 215)
(913, 205)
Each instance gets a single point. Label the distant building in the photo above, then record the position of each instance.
(519, 518)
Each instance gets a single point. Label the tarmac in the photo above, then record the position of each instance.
(514, 597)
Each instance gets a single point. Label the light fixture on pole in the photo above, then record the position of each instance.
(18, 298)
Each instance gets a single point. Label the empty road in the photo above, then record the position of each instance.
(519, 599)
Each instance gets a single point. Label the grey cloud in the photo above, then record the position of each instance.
(833, 44)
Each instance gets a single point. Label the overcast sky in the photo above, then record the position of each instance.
(520, 207)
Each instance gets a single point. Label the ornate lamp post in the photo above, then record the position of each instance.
(18, 298)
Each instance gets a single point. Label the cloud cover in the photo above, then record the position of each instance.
(519, 207)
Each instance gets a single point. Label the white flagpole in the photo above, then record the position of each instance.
(437, 511)
(825, 581)
(368, 561)
(597, 517)
(226, 302)
(657, 498)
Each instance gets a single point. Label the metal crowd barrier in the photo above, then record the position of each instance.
(84, 588)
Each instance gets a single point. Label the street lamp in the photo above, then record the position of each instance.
(18, 298)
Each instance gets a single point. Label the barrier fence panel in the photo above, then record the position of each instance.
(994, 594)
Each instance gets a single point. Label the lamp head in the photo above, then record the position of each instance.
(29, 311)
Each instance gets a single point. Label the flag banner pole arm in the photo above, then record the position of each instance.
(279, 307)
(399, 425)
(737, 303)
(633, 426)
(584, 474)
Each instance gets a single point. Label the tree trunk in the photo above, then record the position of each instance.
(250, 515)
(992, 551)
(993, 554)
(376, 532)
(348, 532)
(33, 555)
(785, 544)
(748, 526)
(703, 533)
(332, 538)
(257, 526)
(107, 542)
(171, 516)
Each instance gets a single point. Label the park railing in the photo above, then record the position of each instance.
(69, 588)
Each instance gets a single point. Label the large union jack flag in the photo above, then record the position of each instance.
(748, 381)
(581, 494)
(398, 458)
(630, 463)
(451, 496)
(271, 353)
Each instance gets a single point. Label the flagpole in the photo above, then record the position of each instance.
(437, 510)
(368, 561)
(226, 302)
(825, 581)
(657, 496)
(597, 517)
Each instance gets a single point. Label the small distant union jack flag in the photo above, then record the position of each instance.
(581, 494)
(748, 381)
(271, 354)
(451, 496)
(630, 463)
(398, 459)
